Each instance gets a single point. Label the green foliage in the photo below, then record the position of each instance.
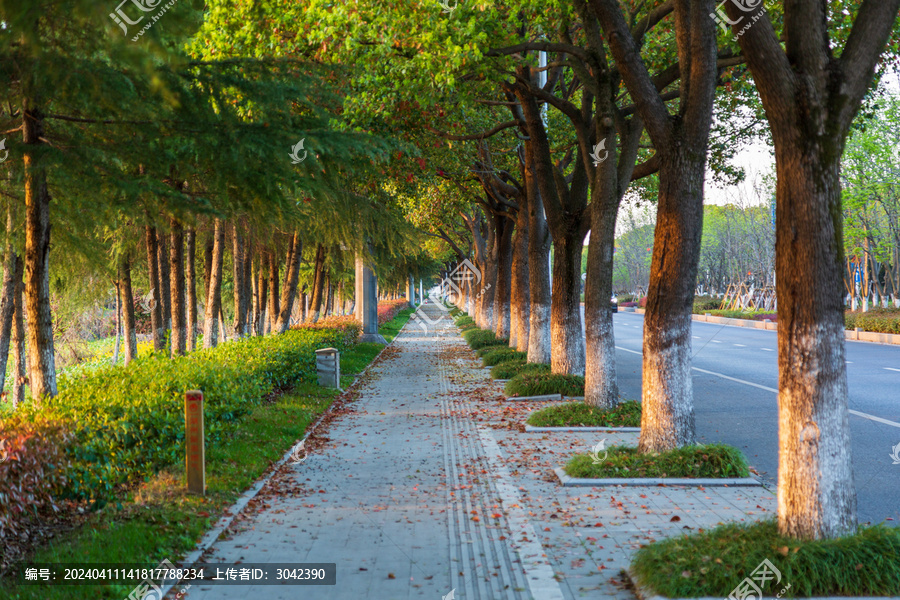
(579, 414)
(509, 369)
(538, 383)
(878, 320)
(713, 562)
(502, 355)
(710, 460)
(490, 348)
(479, 338)
(128, 422)
(704, 304)
(465, 320)
(468, 327)
(32, 471)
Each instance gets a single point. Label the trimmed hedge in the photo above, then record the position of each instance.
(465, 320)
(128, 422)
(479, 338)
(509, 369)
(708, 460)
(878, 320)
(501, 355)
(579, 414)
(490, 348)
(542, 383)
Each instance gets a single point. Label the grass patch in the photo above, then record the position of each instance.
(509, 369)
(158, 519)
(579, 414)
(502, 355)
(710, 460)
(539, 383)
(479, 338)
(465, 320)
(490, 348)
(390, 329)
(714, 562)
(468, 327)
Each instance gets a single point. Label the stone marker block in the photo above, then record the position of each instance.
(194, 442)
(328, 366)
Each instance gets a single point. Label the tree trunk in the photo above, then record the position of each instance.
(566, 331)
(191, 283)
(214, 297)
(274, 307)
(126, 297)
(667, 420)
(18, 337)
(503, 293)
(157, 324)
(601, 388)
(816, 494)
(37, 261)
(263, 296)
(520, 298)
(291, 279)
(248, 285)
(539, 348)
(237, 271)
(8, 303)
(176, 275)
(319, 284)
(165, 284)
(254, 305)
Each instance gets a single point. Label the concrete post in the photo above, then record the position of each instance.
(367, 303)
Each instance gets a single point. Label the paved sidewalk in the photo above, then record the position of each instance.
(428, 483)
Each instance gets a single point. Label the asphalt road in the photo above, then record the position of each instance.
(735, 378)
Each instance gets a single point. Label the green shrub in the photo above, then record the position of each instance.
(704, 304)
(509, 369)
(710, 460)
(715, 561)
(468, 327)
(129, 421)
(579, 414)
(33, 468)
(542, 383)
(878, 320)
(454, 311)
(465, 320)
(479, 338)
(490, 348)
(502, 355)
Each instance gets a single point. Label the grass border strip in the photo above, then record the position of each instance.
(568, 481)
(533, 429)
(645, 593)
(231, 513)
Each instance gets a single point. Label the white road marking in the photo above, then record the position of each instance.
(767, 349)
(892, 369)
(696, 337)
(775, 391)
(539, 573)
(715, 341)
(740, 345)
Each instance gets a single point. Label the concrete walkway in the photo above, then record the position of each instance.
(427, 483)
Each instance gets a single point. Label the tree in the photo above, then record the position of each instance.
(811, 96)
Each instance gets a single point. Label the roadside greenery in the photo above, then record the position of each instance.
(701, 461)
(502, 355)
(509, 369)
(539, 383)
(579, 414)
(714, 562)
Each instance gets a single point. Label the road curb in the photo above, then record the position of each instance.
(533, 429)
(231, 513)
(567, 481)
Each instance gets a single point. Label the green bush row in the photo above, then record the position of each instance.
(509, 369)
(540, 383)
(878, 320)
(128, 422)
